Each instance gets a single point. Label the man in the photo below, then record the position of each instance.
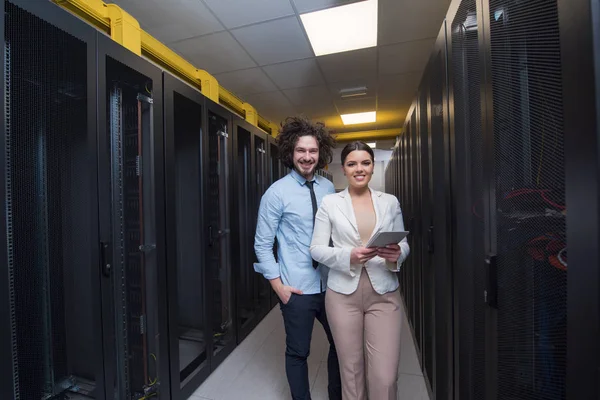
(287, 211)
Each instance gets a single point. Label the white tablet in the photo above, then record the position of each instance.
(382, 239)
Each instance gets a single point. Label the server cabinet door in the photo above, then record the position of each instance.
(408, 217)
(247, 291)
(278, 171)
(132, 223)
(218, 242)
(275, 165)
(188, 332)
(426, 206)
(471, 238)
(262, 183)
(440, 184)
(50, 333)
(580, 54)
(416, 230)
(528, 264)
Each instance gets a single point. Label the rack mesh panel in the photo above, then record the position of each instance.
(217, 215)
(530, 211)
(416, 230)
(48, 209)
(129, 122)
(426, 262)
(187, 136)
(408, 206)
(438, 167)
(260, 154)
(471, 253)
(247, 290)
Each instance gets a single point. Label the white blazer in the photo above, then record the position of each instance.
(335, 219)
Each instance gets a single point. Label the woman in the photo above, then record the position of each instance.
(362, 300)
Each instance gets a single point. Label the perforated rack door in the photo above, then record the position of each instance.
(49, 197)
(529, 199)
(469, 245)
(246, 291)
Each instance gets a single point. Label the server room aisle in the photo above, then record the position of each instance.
(256, 369)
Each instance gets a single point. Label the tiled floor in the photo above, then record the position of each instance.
(256, 370)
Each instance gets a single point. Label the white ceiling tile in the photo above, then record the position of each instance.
(407, 20)
(304, 6)
(173, 20)
(275, 41)
(247, 81)
(349, 65)
(273, 105)
(295, 73)
(405, 57)
(215, 53)
(315, 111)
(351, 106)
(312, 94)
(236, 13)
(314, 101)
(398, 89)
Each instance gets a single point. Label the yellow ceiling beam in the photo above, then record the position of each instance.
(125, 30)
(380, 134)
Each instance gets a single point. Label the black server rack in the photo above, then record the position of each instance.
(263, 176)
(276, 172)
(132, 223)
(508, 132)
(427, 348)
(92, 311)
(218, 212)
(252, 290)
(470, 233)
(527, 261)
(50, 314)
(243, 234)
(189, 329)
(579, 23)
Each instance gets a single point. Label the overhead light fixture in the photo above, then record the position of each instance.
(359, 118)
(353, 92)
(343, 28)
(372, 145)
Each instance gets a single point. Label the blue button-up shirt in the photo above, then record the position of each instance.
(286, 213)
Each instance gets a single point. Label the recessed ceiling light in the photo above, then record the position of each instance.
(372, 145)
(359, 118)
(343, 28)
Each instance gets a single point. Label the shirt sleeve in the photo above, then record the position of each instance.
(404, 247)
(269, 216)
(337, 258)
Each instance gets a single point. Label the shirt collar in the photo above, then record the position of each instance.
(300, 179)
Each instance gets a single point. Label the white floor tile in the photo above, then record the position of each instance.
(256, 369)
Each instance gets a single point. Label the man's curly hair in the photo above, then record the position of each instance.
(295, 127)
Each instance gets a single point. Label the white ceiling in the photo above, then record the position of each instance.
(258, 49)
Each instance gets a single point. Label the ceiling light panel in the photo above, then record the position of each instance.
(344, 28)
(359, 118)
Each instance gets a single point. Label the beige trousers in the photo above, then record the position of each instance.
(366, 331)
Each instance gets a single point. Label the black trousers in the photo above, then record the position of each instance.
(299, 317)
